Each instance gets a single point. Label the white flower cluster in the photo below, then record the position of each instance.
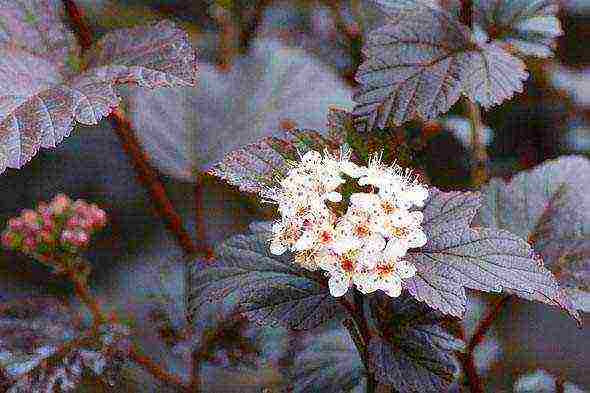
(363, 243)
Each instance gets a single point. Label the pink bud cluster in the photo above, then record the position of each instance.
(61, 225)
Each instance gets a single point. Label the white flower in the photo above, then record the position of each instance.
(389, 276)
(362, 244)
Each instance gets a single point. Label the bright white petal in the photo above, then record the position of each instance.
(334, 197)
(364, 201)
(312, 157)
(418, 195)
(277, 248)
(393, 290)
(338, 284)
(351, 169)
(365, 283)
(305, 242)
(396, 248)
(401, 218)
(405, 269)
(417, 239)
(343, 245)
(417, 218)
(375, 243)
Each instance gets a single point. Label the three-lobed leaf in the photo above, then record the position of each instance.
(550, 207)
(36, 26)
(419, 63)
(40, 100)
(458, 256)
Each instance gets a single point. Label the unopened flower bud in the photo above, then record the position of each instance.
(30, 244)
(60, 204)
(47, 237)
(9, 240)
(15, 224)
(80, 207)
(74, 222)
(81, 238)
(30, 219)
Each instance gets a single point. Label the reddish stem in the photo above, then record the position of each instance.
(150, 180)
(482, 329)
(156, 371)
(202, 243)
(145, 173)
(466, 15)
(76, 17)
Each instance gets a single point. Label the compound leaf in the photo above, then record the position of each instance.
(486, 259)
(268, 289)
(549, 206)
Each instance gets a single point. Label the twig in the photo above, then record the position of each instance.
(479, 172)
(150, 180)
(99, 317)
(466, 15)
(82, 29)
(480, 333)
(202, 243)
(359, 332)
(145, 173)
(156, 371)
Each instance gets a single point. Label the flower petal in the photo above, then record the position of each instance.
(417, 238)
(396, 248)
(277, 248)
(405, 269)
(338, 284)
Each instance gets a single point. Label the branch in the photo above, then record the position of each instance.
(145, 173)
(157, 372)
(150, 180)
(466, 15)
(99, 317)
(359, 332)
(479, 172)
(482, 329)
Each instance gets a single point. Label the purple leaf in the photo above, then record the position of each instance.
(418, 65)
(39, 104)
(268, 289)
(254, 167)
(329, 362)
(493, 76)
(550, 207)
(458, 257)
(45, 346)
(153, 56)
(190, 129)
(413, 352)
(37, 27)
(529, 26)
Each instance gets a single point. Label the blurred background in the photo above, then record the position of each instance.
(266, 65)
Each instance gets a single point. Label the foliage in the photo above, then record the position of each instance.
(252, 121)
